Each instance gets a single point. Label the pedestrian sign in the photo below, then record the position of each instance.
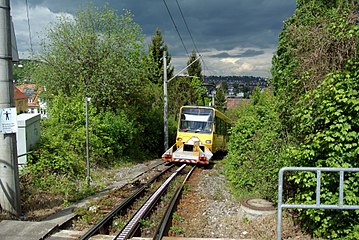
(8, 123)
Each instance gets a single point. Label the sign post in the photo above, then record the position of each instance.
(8, 123)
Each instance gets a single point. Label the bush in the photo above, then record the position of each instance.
(255, 148)
(113, 137)
(63, 139)
(315, 74)
(329, 126)
(62, 149)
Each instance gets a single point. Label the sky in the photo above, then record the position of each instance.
(234, 37)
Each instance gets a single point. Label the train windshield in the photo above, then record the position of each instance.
(198, 120)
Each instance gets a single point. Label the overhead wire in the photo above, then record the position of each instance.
(190, 34)
(169, 12)
(185, 22)
(28, 25)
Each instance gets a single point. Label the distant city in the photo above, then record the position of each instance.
(241, 80)
(236, 86)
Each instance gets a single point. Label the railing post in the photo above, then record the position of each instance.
(317, 204)
(280, 193)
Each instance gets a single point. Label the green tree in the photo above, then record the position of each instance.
(184, 91)
(155, 50)
(98, 54)
(197, 91)
(22, 72)
(196, 68)
(236, 88)
(220, 99)
(328, 133)
(101, 55)
(246, 91)
(178, 94)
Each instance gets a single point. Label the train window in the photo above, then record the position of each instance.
(198, 120)
(221, 126)
(197, 111)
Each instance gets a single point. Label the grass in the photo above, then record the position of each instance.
(177, 217)
(177, 230)
(58, 191)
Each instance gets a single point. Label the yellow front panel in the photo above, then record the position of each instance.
(185, 136)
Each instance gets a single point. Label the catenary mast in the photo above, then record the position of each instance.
(9, 177)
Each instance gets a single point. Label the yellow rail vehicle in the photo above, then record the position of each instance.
(201, 132)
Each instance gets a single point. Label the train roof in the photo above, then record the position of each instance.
(218, 113)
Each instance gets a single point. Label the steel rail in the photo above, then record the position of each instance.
(164, 224)
(131, 227)
(109, 217)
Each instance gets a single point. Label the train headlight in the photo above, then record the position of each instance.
(202, 157)
(179, 139)
(208, 141)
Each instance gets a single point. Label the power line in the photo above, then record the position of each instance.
(185, 22)
(189, 32)
(168, 10)
(28, 24)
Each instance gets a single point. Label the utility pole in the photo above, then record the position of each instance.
(9, 177)
(89, 180)
(165, 108)
(165, 97)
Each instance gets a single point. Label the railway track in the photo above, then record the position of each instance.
(152, 200)
(132, 227)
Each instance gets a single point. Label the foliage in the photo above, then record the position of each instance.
(329, 127)
(185, 91)
(58, 165)
(197, 92)
(152, 128)
(236, 88)
(315, 76)
(178, 94)
(101, 55)
(156, 49)
(63, 138)
(194, 67)
(220, 99)
(318, 39)
(98, 54)
(22, 72)
(116, 133)
(255, 147)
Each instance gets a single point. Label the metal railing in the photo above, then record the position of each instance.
(317, 204)
(24, 154)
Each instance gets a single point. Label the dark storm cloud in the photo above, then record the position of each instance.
(251, 53)
(225, 25)
(220, 25)
(222, 55)
(222, 30)
(247, 53)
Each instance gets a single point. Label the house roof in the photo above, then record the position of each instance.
(27, 89)
(18, 94)
(31, 91)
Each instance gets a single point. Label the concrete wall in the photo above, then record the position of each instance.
(28, 134)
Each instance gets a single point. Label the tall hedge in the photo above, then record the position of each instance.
(315, 76)
(329, 126)
(255, 148)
